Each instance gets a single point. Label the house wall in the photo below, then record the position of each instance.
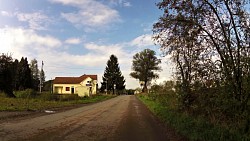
(61, 88)
(85, 90)
(81, 89)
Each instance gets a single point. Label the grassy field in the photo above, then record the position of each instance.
(41, 103)
(184, 124)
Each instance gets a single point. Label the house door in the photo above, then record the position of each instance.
(72, 90)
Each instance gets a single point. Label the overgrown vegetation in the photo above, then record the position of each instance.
(165, 106)
(208, 41)
(31, 100)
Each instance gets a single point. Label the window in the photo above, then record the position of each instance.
(67, 88)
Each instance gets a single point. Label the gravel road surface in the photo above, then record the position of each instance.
(123, 118)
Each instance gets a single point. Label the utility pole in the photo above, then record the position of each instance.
(41, 78)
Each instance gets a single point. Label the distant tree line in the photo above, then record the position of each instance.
(19, 75)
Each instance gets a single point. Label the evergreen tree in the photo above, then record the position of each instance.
(6, 75)
(24, 79)
(35, 74)
(15, 74)
(112, 78)
(42, 77)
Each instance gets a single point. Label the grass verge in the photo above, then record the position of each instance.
(36, 104)
(190, 127)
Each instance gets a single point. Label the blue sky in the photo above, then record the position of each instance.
(75, 37)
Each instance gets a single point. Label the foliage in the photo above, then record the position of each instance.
(113, 77)
(209, 42)
(194, 128)
(42, 77)
(144, 65)
(28, 93)
(47, 86)
(130, 91)
(34, 73)
(6, 78)
(18, 75)
(24, 79)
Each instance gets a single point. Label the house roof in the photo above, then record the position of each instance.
(73, 80)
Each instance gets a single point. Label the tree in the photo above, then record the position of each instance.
(24, 79)
(15, 74)
(209, 42)
(112, 76)
(6, 78)
(144, 65)
(218, 29)
(42, 77)
(34, 73)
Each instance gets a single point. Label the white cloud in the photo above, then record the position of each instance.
(123, 3)
(127, 4)
(73, 41)
(28, 43)
(5, 13)
(37, 20)
(91, 14)
(105, 49)
(143, 41)
(22, 42)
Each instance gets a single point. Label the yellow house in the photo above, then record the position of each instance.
(84, 85)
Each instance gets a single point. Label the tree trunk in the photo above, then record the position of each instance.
(145, 89)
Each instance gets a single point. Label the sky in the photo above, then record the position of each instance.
(76, 37)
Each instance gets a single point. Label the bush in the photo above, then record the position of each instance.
(130, 91)
(69, 97)
(2, 94)
(28, 93)
(46, 96)
(193, 128)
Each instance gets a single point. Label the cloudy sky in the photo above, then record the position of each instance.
(76, 37)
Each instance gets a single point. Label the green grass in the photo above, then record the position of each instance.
(190, 127)
(23, 104)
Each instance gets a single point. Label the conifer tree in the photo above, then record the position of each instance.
(34, 73)
(6, 78)
(24, 80)
(113, 79)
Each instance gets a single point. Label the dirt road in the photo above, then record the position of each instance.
(121, 118)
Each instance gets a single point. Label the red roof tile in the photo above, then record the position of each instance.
(73, 80)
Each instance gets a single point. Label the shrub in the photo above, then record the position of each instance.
(69, 97)
(46, 96)
(28, 93)
(2, 94)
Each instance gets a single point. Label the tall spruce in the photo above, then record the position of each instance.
(113, 80)
(42, 77)
(35, 74)
(24, 79)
